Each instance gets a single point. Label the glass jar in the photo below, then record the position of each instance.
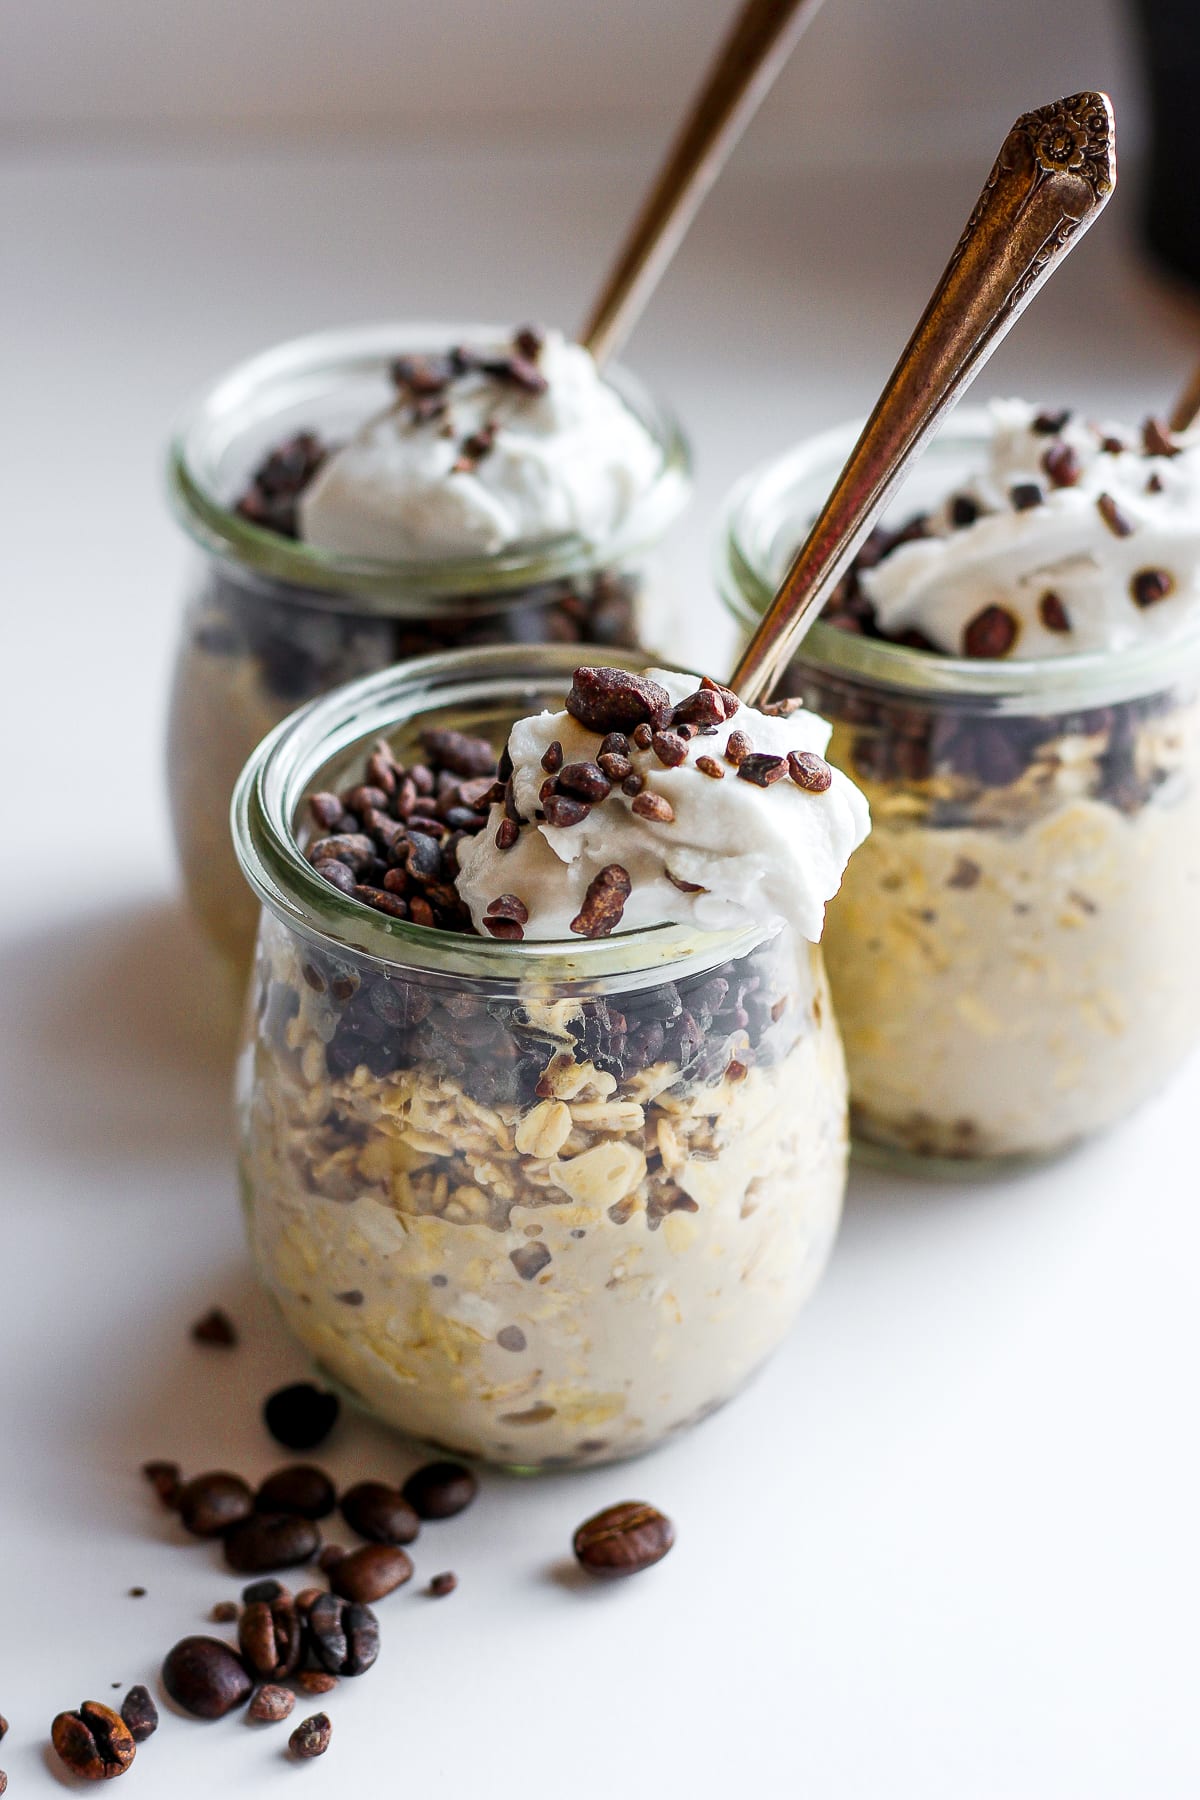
(1012, 953)
(272, 622)
(540, 1203)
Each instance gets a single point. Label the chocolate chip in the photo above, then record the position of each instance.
(737, 747)
(607, 700)
(1150, 586)
(992, 632)
(670, 748)
(654, 806)
(440, 1490)
(809, 771)
(604, 902)
(271, 1541)
(379, 1513)
(216, 1327)
(762, 768)
(370, 1572)
(301, 1416)
(1053, 613)
(210, 1504)
(552, 758)
(1061, 463)
(93, 1742)
(205, 1677)
(708, 765)
(343, 1635)
(443, 1584)
(1025, 495)
(623, 1540)
(300, 1488)
(587, 780)
(140, 1713)
(1048, 424)
(311, 1737)
(562, 812)
(1113, 517)
(269, 1704)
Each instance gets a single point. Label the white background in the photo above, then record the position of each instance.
(945, 1547)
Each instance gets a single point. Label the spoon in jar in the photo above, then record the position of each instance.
(758, 45)
(1053, 176)
(1187, 408)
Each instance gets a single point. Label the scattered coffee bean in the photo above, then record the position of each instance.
(269, 1637)
(311, 1736)
(654, 806)
(991, 633)
(301, 1416)
(606, 700)
(269, 1704)
(300, 1488)
(367, 1574)
(164, 1478)
(206, 1677)
(441, 1585)
(762, 768)
(140, 1713)
(210, 1504)
(342, 1635)
(271, 1541)
(1150, 586)
(623, 1539)
(268, 1590)
(809, 771)
(379, 1513)
(1113, 517)
(94, 1742)
(439, 1490)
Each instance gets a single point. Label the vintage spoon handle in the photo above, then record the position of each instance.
(1054, 174)
(737, 83)
(1187, 407)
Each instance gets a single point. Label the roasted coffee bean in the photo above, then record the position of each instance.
(300, 1488)
(216, 1327)
(991, 633)
(606, 700)
(140, 1713)
(311, 1736)
(379, 1513)
(301, 1416)
(206, 1677)
(210, 1504)
(331, 1554)
(342, 1635)
(271, 1541)
(354, 849)
(586, 780)
(269, 1704)
(367, 1574)
(164, 1478)
(762, 768)
(809, 771)
(268, 1589)
(443, 1584)
(94, 1742)
(314, 1681)
(623, 1539)
(439, 1490)
(269, 1637)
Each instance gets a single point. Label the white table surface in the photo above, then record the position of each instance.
(946, 1545)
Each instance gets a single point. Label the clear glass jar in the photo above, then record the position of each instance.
(272, 622)
(1012, 953)
(541, 1203)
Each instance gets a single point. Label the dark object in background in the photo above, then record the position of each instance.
(1169, 31)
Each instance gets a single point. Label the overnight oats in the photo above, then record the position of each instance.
(543, 1105)
(366, 496)
(1013, 671)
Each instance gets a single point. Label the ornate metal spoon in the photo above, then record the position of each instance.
(757, 47)
(1054, 174)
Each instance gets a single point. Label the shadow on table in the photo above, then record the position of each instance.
(120, 1034)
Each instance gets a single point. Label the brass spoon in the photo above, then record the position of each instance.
(1187, 407)
(1054, 174)
(747, 63)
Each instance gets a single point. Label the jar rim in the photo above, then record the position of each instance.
(278, 775)
(747, 580)
(295, 372)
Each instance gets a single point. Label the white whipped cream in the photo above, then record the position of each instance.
(1062, 547)
(757, 854)
(573, 459)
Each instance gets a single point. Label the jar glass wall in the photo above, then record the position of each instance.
(541, 1203)
(1011, 953)
(271, 622)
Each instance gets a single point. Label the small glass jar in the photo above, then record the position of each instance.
(540, 1203)
(272, 622)
(1012, 953)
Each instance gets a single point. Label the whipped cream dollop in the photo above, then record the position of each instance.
(726, 816)
(1072, 537)
(484, 448)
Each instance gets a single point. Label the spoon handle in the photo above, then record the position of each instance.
(747, 63)
(1054, 174)
(1187, 407)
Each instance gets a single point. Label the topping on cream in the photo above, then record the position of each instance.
(649, 801)
(484, 449)
(1071, 538)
